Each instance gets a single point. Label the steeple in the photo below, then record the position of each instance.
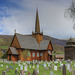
(37, 25)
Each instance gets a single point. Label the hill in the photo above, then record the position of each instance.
(58, 45)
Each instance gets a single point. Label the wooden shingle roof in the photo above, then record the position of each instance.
(28, 42)
(14, 51)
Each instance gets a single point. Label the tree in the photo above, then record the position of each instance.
(25, 54)
(70, 12)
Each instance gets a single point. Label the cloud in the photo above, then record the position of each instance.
(51, 16)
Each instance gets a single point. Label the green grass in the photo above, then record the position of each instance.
(41, 69)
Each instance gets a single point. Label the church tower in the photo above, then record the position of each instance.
(37, 34)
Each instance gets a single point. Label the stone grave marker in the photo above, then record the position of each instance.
(4, 73)
(55, 68)
(70, 69)
(43, 74)
(16, 71)
(35, 72)
(51, 72)
(64, 70)
(10, 67)
(68, 66)
(30, 66)
(21, 67)
(33, 66)
(50, 68)
(44, 64)
(22, 72)
(60, 68)
(73, 72)
(46, 68)
(25, 68)
(29, 73)
(37, 66)
(1, 65)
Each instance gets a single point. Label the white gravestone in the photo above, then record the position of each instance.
(21, 67)
(37, 66)
(1, 65)
(55, 68)
(44, 64)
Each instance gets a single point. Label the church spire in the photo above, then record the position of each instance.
(37, 25)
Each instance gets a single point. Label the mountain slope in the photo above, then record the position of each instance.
(58, 45)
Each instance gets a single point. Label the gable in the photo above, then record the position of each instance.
(50, 47)
(15, 42)
(9, 52)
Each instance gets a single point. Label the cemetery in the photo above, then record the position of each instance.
(37, 67)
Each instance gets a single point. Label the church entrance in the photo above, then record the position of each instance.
(9, 57)
(51, 57)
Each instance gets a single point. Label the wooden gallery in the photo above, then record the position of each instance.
(39, 49)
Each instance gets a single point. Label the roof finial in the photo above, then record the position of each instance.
(14, 31)
(37, 25)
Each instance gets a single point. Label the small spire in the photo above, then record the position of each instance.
(37, 25)
(14, 31)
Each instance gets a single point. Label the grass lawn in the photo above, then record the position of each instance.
(41, 69)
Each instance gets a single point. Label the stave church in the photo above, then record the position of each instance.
(39, 49)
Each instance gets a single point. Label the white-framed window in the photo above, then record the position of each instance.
(49, 51)
(37, 54)
(41, 54)
(33, 54)
(29, 54)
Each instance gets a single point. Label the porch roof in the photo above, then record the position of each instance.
(14, 51)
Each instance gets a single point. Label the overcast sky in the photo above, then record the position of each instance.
(21, 14)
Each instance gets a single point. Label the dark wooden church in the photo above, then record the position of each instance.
(39, 48)
(70, 49)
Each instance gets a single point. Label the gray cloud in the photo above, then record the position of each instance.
(51, 16)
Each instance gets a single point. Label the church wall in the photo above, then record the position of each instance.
(14, 58)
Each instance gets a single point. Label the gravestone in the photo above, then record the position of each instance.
(55, 68)
(21, 67)
(44, 64)
(51, 72)
(7, 69)
(35, 72)
(29, 73)
(13, 63)
(4, 73)
(37, 66)
(60, 68)
(25, 68)
(1, 65)
(22, 72)
(30, 66)
(70, 69)
(16, 71)
(64, 70)
(33, 66)
(10, 67)
(43, 74)
(46, 68)
(50, 68)
(73, 72)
